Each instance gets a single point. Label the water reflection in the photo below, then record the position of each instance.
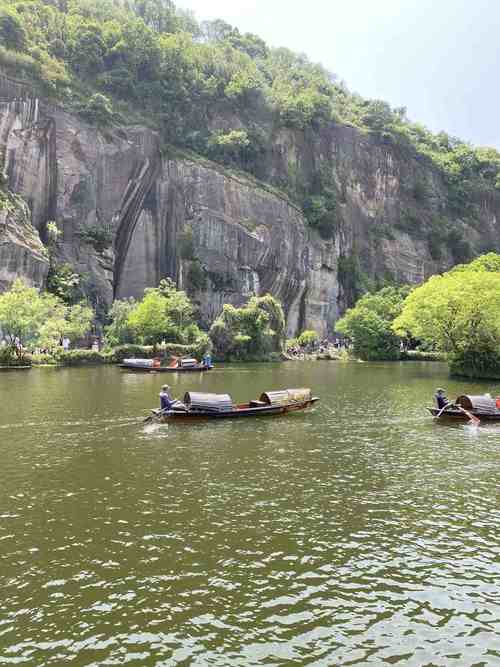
(359, 533)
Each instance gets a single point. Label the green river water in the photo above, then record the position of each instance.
(360, 533)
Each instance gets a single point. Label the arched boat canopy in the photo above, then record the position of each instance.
(484, 404)
(208, 402)
(286, 396)
(187, 363)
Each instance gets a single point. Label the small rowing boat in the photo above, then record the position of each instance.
(154, 366)
(162, 369)
(197, 406)
(480, 407)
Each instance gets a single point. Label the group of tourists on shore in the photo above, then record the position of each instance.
(324, 346)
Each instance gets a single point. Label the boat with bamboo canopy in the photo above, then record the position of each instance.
(470, 408)
(198, 406)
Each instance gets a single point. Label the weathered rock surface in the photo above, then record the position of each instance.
(22, 254)
(221, 236)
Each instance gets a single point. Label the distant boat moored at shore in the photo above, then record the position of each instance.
(154, 366)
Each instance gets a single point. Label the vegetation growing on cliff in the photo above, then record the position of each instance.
(254, 332)
(222, 93)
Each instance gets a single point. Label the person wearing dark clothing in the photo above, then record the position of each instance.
(441, 399)
(166, 401)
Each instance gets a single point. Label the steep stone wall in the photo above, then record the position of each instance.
(245, 240)
(22, 254)
(223, 236)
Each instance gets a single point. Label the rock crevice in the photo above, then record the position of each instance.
(242, 238)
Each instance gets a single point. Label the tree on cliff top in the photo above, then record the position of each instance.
(100, 55)
(12, 32)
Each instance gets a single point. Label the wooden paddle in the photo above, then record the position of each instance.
(156, 413)
(473, 419)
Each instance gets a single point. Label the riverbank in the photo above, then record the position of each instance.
(85, 357)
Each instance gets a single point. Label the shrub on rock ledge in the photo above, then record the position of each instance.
(253, 332)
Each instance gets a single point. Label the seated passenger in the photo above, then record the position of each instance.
(441, 399)
(207, 360)
(166, 401)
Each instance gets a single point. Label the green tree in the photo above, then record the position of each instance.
(29, 318)
(369, 324)
(148, 319)
(73, 322)
(254, 331)
(178, 308)
(22, 313)
(87, 48)
(455, 312)
(165, 313)
(308, 337)
(12, 32)
(229, 146)
(98, 109)
(489, 262)
(119, 331)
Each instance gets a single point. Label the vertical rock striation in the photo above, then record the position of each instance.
(22, 254)
(222, 236)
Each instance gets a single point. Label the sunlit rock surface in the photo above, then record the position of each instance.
(220, 235)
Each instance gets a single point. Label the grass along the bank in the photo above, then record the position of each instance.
(422, 355)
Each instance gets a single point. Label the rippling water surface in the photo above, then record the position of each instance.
(359, 533)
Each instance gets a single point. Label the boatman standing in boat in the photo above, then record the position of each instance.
(441, 399)
(166, 401)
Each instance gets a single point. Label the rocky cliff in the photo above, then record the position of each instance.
(22, 254)
(220, 235)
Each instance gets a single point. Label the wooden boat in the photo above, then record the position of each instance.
(482, 407)
(163, 369)
(178, 366)
(197, 406)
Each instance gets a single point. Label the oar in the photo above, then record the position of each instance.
(156, 413)
(474, 420)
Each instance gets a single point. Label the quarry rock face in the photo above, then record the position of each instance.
(221, 236)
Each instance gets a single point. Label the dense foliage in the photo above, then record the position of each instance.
(459, 313)
(29, 318)
(255, 331)
(163, 314)
(217, 91)
(369, 324)
(308, 337)
(119, 330)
